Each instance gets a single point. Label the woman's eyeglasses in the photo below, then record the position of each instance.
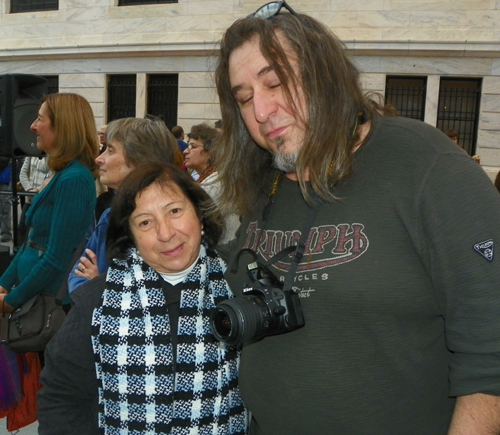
(271, 9)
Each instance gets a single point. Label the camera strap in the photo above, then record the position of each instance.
(297, 250)
(300, 249)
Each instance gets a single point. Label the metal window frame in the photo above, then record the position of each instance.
(20, 6)
(121, 92)
(144, 2)
(163, 97)
(407, 94)
(459, 109)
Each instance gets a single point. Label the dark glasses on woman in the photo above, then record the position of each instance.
(270, 10)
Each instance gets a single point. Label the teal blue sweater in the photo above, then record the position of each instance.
(59, 217)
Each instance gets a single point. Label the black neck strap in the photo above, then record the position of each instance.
(300, 249)
(297, 250)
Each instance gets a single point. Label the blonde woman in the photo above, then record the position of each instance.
(63, 211)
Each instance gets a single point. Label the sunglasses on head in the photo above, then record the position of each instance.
(271, 9)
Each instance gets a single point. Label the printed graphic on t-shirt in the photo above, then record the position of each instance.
(326, 246)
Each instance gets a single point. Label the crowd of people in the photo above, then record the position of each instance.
(358, 245)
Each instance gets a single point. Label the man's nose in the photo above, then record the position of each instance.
(264, 106)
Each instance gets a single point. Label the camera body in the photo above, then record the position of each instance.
(264, 309)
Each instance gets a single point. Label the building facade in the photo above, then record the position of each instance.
(438, 61)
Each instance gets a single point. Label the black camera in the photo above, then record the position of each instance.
(264, 309)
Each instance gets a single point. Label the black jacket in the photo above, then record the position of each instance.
(68, 399)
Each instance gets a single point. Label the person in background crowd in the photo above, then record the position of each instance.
(104, 195)
(33, 172)
(218, 125)
(178, 133)
(199, 156)
(497, 181)
(202, 138)
(142, 328)
(5, 204)
(104, 201)
(63, 211)
(383, 107)
(393, 228)
(102, 138)
(132, 142)
(453, 135)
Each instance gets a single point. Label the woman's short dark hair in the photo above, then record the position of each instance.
(119, 236)
(206, 134)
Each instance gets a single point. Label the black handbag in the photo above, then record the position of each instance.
(30, 327)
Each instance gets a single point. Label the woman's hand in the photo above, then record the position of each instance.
(87, 267)
(4, 306)
(3, 290)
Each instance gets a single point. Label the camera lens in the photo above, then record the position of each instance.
(222, 323)
(238, 320)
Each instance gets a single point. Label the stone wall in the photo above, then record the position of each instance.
(85, 40)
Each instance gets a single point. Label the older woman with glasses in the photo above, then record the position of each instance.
(200, 155)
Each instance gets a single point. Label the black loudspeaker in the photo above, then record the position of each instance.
(5, 258)
(20, 96)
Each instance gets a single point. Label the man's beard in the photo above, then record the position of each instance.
(282, 161)
(285, 162)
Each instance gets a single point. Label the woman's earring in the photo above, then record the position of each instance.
(202, 232)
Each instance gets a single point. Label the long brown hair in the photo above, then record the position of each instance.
(75, 131)
(334, 100)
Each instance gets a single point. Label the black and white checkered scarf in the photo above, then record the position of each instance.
(139, 392)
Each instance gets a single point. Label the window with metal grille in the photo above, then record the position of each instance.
(53, 84)
(121, 96)
(18, 6)
(163, 92)
(144, 2)
(458, 109)
(407, 94)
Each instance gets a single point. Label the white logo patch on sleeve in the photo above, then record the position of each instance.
(485, 249)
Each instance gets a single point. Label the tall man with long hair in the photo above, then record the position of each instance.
(398, 281)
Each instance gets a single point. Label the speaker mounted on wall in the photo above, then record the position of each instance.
(20, 96)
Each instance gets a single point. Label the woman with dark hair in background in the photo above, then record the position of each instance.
(200, 156)
(63, 211)
(136, 354)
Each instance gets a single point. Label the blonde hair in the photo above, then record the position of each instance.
(73, 122)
